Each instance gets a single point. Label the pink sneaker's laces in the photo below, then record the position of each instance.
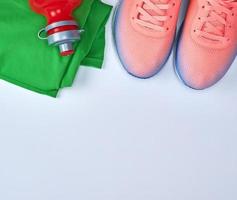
(152, 14)
(216, 22)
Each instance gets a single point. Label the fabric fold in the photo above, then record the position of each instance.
(29, 62)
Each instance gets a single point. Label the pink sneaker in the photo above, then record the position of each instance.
(208, 42)
(144, 32)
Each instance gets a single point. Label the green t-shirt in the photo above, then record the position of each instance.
(30, 63)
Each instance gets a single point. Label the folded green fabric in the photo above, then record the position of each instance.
(30, 63)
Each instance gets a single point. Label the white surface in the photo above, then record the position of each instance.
(115, 137)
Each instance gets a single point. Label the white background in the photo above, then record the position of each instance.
(114, 137)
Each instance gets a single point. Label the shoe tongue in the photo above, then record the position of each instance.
(160, 1)
(153, 12)
(217, 24)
